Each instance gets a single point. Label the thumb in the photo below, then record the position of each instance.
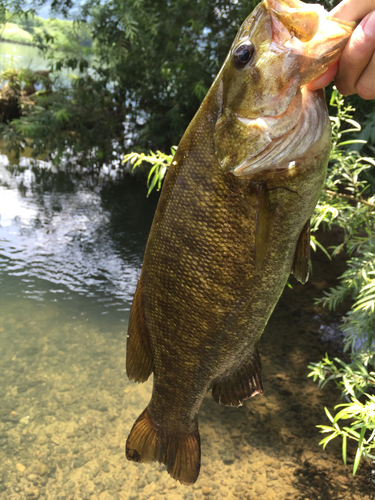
(324, 79)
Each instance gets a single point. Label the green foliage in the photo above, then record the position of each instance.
(349, 202)
(362, 423)
(56, 37)
(13, 33)
(156, 59)
(48, 123)
(159, 162)
(12, 9)
(151, 63)
(354, 380)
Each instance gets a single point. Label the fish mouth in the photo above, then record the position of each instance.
(310, 33)
(294, 44)
(316, 40)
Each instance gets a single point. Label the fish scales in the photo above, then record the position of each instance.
(232, 223)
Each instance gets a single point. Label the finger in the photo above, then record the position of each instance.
(353, 10)
(365, 87)
(356, 56)
(324, 79)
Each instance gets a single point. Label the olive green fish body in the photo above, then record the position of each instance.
(203, 298)
(232, 223)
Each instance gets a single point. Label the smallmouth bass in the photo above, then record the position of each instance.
(232, 223)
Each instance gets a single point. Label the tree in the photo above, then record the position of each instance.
(141, 82)
(10, 9)
(150, 66)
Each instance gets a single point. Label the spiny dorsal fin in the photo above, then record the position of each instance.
(264, 224)
(139, 359)
(300, 267)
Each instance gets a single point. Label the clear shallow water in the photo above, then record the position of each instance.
(70, 255)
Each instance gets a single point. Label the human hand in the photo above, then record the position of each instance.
(355, 72)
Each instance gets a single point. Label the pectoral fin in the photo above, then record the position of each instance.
(139, 359)
(300, 267)
(264, 224)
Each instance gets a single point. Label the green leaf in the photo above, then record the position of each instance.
(327, 439)
(359, 451)
(315, 243)
(328, 414)
(344, 448)
(354, 141)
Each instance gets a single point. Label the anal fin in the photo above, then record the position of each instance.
(139, 359)
(300, 267)
(181, 453)
(244, 383)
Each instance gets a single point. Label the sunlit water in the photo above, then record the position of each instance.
(70, 254)
(18, 56)
(15, 55)
(60, 237)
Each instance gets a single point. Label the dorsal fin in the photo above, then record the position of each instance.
(300, 267)
(264, 224)
(139, 359)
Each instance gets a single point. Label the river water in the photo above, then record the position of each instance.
(71, 251)
(16, 55)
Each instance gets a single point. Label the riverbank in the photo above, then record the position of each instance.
(26, 44)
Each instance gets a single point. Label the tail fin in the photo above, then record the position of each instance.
(181, 453)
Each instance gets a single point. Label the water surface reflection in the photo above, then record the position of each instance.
(60, 234)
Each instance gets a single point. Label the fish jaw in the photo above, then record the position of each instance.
(311, 33)
(286, 152)
(294, 43)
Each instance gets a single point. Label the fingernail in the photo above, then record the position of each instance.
(368, 25)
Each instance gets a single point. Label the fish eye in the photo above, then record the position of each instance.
(243, 54)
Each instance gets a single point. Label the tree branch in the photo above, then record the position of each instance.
(349, 197)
